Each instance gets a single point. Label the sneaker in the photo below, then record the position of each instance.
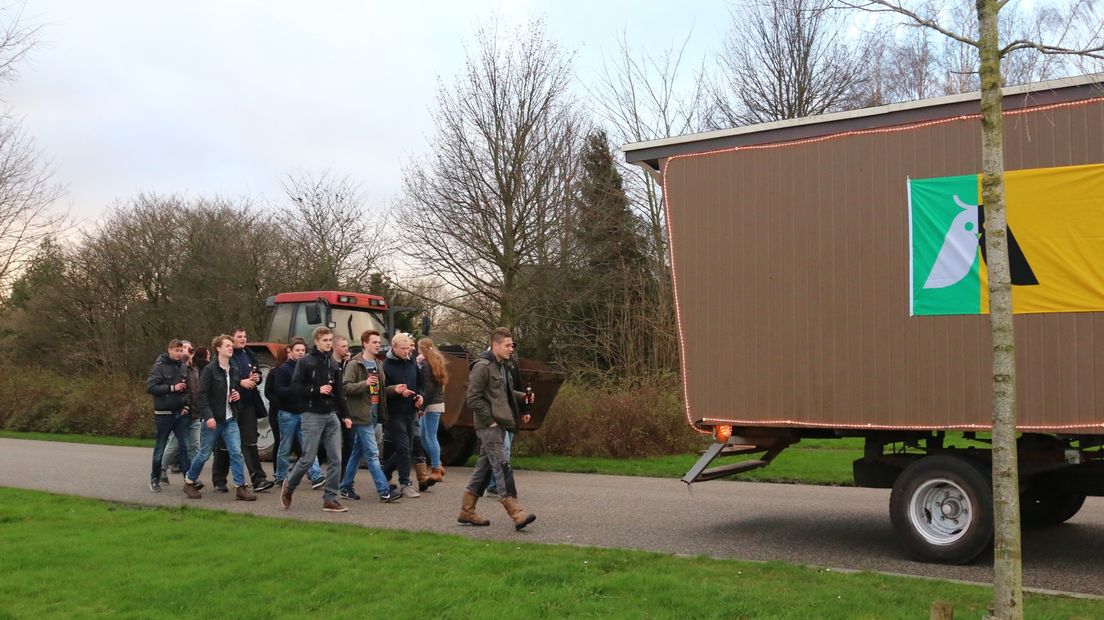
(392, 486)
(155, 485)
(318, 483)
(164, 476)
(390, 496)
(243, 494)
(408, 491)
(333, 506)
(221, 488)
(285, 496)
(349, 494)
(263, 486)
(198, 485)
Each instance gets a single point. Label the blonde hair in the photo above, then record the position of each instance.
(435, 360)
(401, 338)
(217, 340)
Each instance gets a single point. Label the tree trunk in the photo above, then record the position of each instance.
(1007, 570)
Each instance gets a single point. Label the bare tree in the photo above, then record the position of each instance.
(787, 59)
(918, 63)
(333, 239)
(645, 96)
(487, 207)
(27, 194)
(1008, 575)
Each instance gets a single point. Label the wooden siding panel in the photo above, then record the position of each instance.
(792, 268)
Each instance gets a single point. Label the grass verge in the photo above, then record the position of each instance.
(67, 557)
(74, 438)
(816, 462)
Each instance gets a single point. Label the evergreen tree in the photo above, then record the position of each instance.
(612, 281)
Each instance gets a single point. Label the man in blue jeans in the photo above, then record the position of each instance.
(218, 406)
(362, 380)
(282, 398)
(167, 383)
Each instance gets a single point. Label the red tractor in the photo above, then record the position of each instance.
(349, 315)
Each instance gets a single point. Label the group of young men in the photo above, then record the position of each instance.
(332, 404)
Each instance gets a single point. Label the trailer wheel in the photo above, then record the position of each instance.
(1043, 505)
(942, 507)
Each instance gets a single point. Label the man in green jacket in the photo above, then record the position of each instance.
(494, 403)
(363, 381)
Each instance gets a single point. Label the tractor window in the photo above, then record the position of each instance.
(281, 324)
(301, 326)
(352, 323)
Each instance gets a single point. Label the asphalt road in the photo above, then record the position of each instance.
(836, 527)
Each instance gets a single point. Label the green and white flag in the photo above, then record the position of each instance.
(944, 231)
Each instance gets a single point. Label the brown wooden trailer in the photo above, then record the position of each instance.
(790, 253)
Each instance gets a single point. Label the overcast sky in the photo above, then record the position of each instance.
(228, 96)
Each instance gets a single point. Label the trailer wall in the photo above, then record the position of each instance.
(791, 272)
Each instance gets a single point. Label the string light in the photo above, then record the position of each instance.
(903, 427)
(815, 140)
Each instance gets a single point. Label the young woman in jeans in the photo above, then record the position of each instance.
(432, 365)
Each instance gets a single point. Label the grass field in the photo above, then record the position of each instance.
(816, 461)
(91, 439)
(72, 557)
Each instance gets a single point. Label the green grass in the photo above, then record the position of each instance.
(72, 438)
(813, 461)
(806, 466)
(72, 557)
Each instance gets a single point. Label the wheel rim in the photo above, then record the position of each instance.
(941, 511)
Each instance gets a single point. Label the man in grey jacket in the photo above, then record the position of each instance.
(494, 403)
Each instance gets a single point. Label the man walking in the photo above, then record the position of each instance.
(318, 385)
(403, 385)
(363, 380)
(218, 406)
(282, 399)
(250, 407)
(191, 439)
(342, 356)
(167, 383)
(494, 403)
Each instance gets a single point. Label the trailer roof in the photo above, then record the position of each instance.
(651, 153)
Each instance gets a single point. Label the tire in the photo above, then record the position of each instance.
(1045, 505)
(942, 508)
(266, 435)
(457, 445)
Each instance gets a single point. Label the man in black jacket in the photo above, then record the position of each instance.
(251, 408)
(282, 400)
(168, 385)
(317, 384)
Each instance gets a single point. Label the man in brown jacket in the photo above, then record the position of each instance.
(494, 403)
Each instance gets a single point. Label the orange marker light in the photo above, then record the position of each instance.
(722, 432)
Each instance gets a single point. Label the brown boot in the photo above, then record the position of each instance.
(421, 471)
(436, 474)
(467, 511)
(245, 494)
(191, 491)
(517, 513)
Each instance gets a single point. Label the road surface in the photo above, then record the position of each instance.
(836, 527)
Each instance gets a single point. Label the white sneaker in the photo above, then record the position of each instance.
(409, 491)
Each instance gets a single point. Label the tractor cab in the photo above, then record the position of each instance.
(347, 314)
